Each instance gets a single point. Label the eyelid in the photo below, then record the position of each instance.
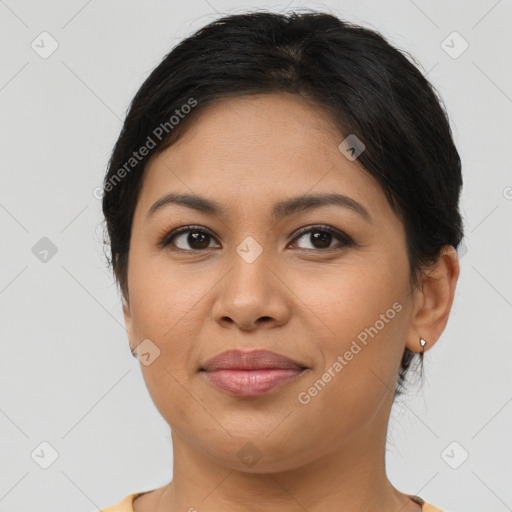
(166, 239)
(346, 240)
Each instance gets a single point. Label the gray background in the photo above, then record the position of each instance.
(66, 373)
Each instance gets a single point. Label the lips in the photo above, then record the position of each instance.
(253, 360)
(251, 374)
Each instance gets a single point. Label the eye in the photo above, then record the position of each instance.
(322, 236)
(197, 238)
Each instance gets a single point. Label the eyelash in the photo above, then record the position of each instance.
(345, 240)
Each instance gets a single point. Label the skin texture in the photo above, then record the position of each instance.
(248, 153)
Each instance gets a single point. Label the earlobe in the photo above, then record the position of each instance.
(434, 302)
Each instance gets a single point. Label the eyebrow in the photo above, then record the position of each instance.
(280, 210)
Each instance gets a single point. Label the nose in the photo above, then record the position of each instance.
(251, 296)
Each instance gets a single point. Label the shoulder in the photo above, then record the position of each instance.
(125, 505)
(427, 507)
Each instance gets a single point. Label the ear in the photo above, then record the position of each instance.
(128, 322)
(433, 303)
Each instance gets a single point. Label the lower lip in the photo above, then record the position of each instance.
(249, 383)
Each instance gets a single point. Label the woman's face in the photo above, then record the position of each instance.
(343, 309)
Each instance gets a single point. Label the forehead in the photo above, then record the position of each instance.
(262, 125)
(256, 149)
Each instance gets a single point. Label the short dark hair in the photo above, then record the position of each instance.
(368, 87)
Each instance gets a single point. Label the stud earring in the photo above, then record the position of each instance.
(422, 343)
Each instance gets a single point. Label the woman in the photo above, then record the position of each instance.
(282, 213)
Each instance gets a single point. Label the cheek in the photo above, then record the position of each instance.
(168, 310)
(169, 306)
(348, 298)
(363, 317)
(165, 297)
(359, 371)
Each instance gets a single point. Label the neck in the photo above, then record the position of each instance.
(350, 478)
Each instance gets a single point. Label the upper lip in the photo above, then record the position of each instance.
(252, 360)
